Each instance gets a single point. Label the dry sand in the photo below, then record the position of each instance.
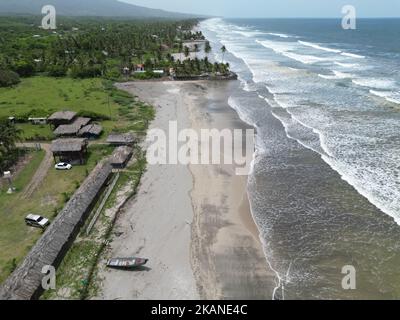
(193, 223)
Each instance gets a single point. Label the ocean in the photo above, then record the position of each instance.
(325, 189)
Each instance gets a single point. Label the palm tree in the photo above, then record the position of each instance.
(187, 52)
(9, 136)
(223, 50)
(180, 47)
(207, 48)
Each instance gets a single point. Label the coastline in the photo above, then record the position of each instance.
(227, 253)
(193, 222)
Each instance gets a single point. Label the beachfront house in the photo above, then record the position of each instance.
(139, 68)
(73, 150)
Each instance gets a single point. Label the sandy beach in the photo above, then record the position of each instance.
(192, 222)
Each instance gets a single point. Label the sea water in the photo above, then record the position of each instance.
(325, 191)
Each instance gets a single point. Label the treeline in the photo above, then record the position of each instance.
(9, 135)
(84, 48)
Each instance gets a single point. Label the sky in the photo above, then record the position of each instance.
(275, 8)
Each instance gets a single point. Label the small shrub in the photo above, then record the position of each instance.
(8, 78)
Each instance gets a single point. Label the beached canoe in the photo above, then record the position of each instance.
(126, 263)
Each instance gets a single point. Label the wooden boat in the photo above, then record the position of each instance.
(126, 263)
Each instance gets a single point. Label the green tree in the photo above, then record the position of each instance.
(9, 135)
(24, 68)
(8, 78)
(187, 52)
(223, 50)
(207, 48)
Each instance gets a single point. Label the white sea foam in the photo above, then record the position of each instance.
(347, 174)
(306, 59)
(390, 96)
(278, 47)
(347, 65)
(286, 49)
(248, 34)
(375, 83)
(352, 55)
(316, 46)
(281, 35)
(241, 113)
(337, 75)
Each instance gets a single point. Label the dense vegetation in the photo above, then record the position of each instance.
(86, 48)
(9, 135)
(8, 78)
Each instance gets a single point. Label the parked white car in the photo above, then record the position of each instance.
(63, 166)
(37, 221)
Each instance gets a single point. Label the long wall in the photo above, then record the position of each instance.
(25, 283)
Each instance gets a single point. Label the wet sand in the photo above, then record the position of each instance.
(193, 223)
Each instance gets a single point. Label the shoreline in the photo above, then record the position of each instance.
(234, 251)
(220, 251)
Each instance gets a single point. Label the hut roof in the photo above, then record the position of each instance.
(73, 128)
(66, 130)
(81, 122)
(63, 115)
(94, 129)
(25, 282)
(68, 145)
(123, 138)
(121, 155)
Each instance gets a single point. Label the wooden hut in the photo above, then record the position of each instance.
(122, 139)
(61, 117)
(121, 157)
(25, 283)
(69, 130)
(69, 150)
(91, 131)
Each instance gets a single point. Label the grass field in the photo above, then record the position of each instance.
(15, 238)
(42, 96)
(45, 95)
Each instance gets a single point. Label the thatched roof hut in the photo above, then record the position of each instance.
(66, 130)
(69, 150)
(122, 139)
(62, 117)
(68, 145)
(73, 128)
(91, 131)
(25, 282)
(121, 156)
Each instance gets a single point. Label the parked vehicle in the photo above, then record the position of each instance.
(63, 166)
(36, 221)
(126, 263)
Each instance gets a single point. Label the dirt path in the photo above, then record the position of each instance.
(41, 171)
